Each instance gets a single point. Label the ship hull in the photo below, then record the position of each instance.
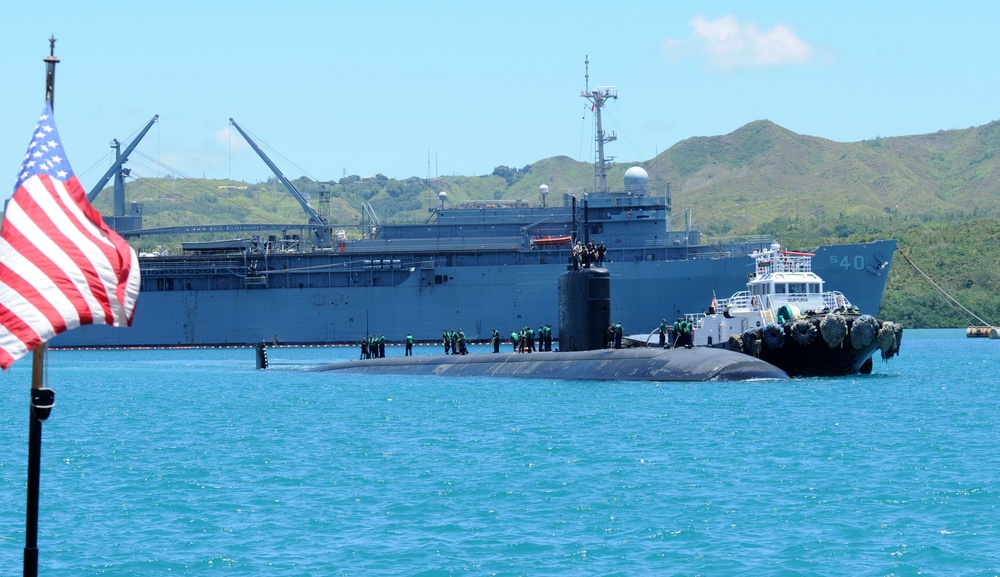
(426, 301)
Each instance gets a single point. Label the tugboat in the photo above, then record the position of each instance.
(787, 318)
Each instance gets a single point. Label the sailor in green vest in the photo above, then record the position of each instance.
(446, 337)
(688, 334)
(663, 334)
(454, 342)
(461, 342)
(496, 341)
(381, 346)
(409, 345)
(515, 338)
(618, 335)
(678, 333)
(683, 332)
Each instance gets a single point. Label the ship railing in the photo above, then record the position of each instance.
(417, 245)
(741, 245)
(710, 255)
(188, 267)
(740, 300)
(835, 300)
(783, 262)
(489, 204)
(755, 240)
(354, 265)
(694, 255)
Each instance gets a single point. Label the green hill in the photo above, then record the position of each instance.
(938, 194)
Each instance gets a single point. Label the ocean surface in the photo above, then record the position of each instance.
(191, 462)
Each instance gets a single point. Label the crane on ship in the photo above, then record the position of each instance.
(130, 226)
(118, 221)
(321, 228)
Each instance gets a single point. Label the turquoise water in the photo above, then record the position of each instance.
(191, 462)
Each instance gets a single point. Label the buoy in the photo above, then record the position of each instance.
(261, 356)
(983, 331)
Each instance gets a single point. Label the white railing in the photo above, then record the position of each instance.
(835, 300)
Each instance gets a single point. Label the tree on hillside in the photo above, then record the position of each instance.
(511, 175)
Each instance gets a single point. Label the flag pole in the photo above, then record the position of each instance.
(42, 399)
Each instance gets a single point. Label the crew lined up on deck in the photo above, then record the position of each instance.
(454, 342)
(373, 346)
(528, 340)
(683, 333)
(523, 341)
(585, 256)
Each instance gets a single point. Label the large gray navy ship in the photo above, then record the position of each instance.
(475, 266)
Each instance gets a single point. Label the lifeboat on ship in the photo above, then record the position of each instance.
(551, 241)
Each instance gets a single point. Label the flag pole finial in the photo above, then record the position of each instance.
(50, 73)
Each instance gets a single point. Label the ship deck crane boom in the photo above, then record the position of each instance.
(322, 233)
(116, 167)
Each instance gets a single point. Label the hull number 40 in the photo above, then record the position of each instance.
(857, 262)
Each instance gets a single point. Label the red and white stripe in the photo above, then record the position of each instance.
(60, 267)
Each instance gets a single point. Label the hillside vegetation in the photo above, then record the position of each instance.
(938, 194)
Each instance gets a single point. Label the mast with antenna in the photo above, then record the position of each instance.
(597, 97)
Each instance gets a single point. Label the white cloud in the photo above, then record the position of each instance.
(229, 137)
(730, 44)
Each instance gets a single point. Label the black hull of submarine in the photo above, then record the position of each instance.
(647, 364)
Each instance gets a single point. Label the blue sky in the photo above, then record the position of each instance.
(457, 88)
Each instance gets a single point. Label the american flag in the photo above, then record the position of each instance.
(60, 265)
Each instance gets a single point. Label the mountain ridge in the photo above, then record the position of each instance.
(937, 193)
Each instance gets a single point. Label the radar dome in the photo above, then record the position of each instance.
(636, 181)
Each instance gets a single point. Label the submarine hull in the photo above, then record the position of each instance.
(647, 364)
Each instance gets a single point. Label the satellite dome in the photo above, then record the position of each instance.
(442, 195)
(636, 180)
(543, 188)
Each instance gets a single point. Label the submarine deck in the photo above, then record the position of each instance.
(645, 364)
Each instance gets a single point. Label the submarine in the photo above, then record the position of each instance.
(645, 364)
(584, 318)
